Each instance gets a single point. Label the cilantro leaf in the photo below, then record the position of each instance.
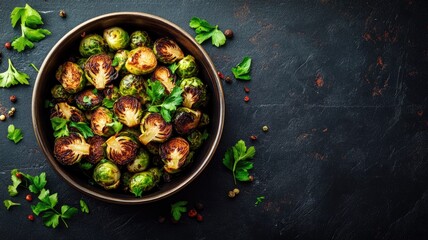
(9, 203)
(242, 70)
(83, 206)
(59, 125)
(14, 134)
(13, 77)
(235, 159)
(205, 30)
(177, 209)
(83, 128)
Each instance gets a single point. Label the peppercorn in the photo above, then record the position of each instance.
(18, 175)
(253, 137)
(246, 89)
(30, 217)
(236, 191)
(11, 112)
(62, 13)
(2, 117)
(220, 75)
(228, 33)
(199, 206)
(192, 213)
(251, 178)
(199, 218)
(265, 128)
(83, 34)
(29, 198)
(161, 219)
(231, 194)
(13, 98)
(228, 79)
(7, 45)
(246, 98)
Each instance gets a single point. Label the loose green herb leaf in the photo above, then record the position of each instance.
(108, 103)
(34, 66)
(177, 209)
(85, 165)
(155, 91)
(83, 206)
(30, 20)
(9, 203)
(87, 99)
(37, 183)
(67, 212)
(204, 31)
(259, 200)
(116, 125)
(12, 189)
(242, 70)
(173, 67)
(14, 134)
(59, 125)
(13, 77)
(169, 104)
(83, 128)
(235, 159)
(48, 104)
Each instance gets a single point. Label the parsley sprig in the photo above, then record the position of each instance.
(237, 159)
(13, 77)
(161, 102)
(205, 30)
(242, 69)
(14, 134)
(177, 209)
(61, 127)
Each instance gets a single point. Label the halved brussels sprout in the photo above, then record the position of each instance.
(99, 71)
(111, 92)
(157, 173)
(186, 119)
(88, 99)
(71, 77)
(107, 175)
(194, 92)
(81, 62)
(128, 110)
(140, 39)
(187, 67)
(167, 50)
(116, 38)
(196, 138)
(141, 60)
(154, 128)
(60, 94)
(164, 76)
(142, 182)
(96, 151)
(119, 59)
(140, 163)
(70, 149)
(153, 148)
(68, 112)
(121, 149)
(174, 154)
(92, 44)
(102, 122)
(133, 85)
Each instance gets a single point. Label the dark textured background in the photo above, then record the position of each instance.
(342, 86)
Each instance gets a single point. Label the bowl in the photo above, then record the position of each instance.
(128, 20)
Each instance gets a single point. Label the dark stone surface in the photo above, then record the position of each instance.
(342, 86)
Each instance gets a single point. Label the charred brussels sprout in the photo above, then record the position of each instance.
(102, 122)
(141, 61)
(154, 128)
(174, 154)
(60, 94)
(121, 149)
(99, 71)
(116, 38)
(167, 50)
(68, 112)
(133, 85)
(140, 163)
(119, 59)
(142, 182)
(205, 120)
(70, 149)
(164, 76)
(88, 99)
(111, 92)
(194, 92)
(153, 148)
(107, 175)
(92, 44)
(124, 181)
(187, 67)
(140, 39)
(71, 77)
(196, 138)
(186, 119)
(96, 150)
(128, 110)
(81, 62)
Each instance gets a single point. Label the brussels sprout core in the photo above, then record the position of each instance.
(164, 76)
(121, 149)
(154, 128)
(70, 149)
(99, 71)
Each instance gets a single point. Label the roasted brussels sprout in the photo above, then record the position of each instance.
(70, 149)
(157, 173)
(140, 39)
(92, 44)
(196, 138)
(164, 76)
(116, 38)
(186, 119)
(194, 92)
(128, 110)
(187, 67)
(119, 59)
(88, 99)
(96, 151)
(121, 149)
(125, 178)
(154, 128)
(107, 175)
(174, 154)
(167, 50)
(99, 71)
(81, 62)
(71, 77)
(133, 85)
(102, 122)
(111, 92)
(141, 60)
(60, 94)
(153, 148)
(142, 182)
(140, 163)
(68, 112)
(205, 120)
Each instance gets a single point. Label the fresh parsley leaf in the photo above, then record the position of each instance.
(242, 70)
(205, 31)
(155, 91)
(67, 212)
(12, 189)
(83, 128)
(87, 100)
(108, 103)
(116, 125)
(177, 209)
(14, 134)
(173, 67)
(51, 219)
(235, 159)
(169, 104)
(9, 203)
(85, 165)
(259, 200)
(34, 66)
(30, 20)
(13, 77)
(59, 125)
(40, 207)
(37, 183)
(83, 206)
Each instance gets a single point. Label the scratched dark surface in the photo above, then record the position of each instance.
(342, 86)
